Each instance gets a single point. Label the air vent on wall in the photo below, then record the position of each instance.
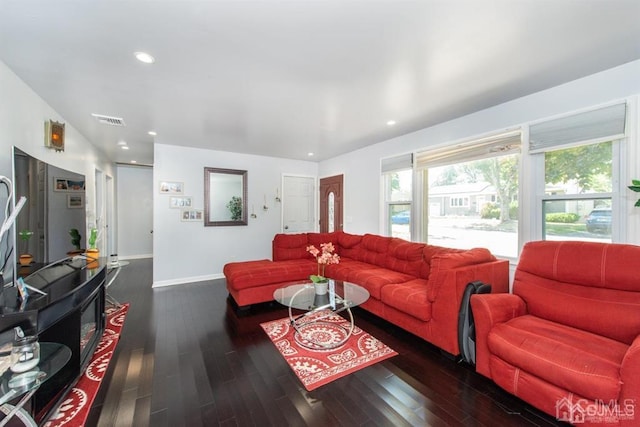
(108, 120)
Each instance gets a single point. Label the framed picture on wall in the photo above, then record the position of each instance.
(180, 202)
(191, 215)
(171, 187)
(75, 201)
(70, 185)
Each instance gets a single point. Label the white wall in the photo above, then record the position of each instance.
(188, 251)
(362, 167)
(22, 117)
(134, 189)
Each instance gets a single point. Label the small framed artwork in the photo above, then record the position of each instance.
(75, 201)
(192, 215)
(75, 185)
(65, 184)
(180, 202)
(171, 187)
(60, 184)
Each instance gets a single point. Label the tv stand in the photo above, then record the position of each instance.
(70, 312)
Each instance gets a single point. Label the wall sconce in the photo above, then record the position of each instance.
(278, 196)
(253, 214)
(54, 135)
(265, 207)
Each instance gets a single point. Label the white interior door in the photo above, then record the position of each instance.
(298, 204)
(99, 221)
(134, 190)
(109, 209)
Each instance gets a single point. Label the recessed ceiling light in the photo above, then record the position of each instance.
(152, 133)
(122, 143)
(134, 161)
(310, 154)
(391, 122)
(124, 147)
(144, 57)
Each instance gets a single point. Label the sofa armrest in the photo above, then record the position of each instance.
(445, 289)
(489, 310)
(630, 389)
(445, 262)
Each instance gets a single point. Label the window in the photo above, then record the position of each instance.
(398, 178)
(471, 193)
(580, 163)
(456, 202)
(578, 193)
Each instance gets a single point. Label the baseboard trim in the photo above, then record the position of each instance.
(141, 256)
(185, 280)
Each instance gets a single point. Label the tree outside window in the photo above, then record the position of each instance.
(578, 193)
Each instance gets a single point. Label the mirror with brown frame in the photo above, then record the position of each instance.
(225, 196)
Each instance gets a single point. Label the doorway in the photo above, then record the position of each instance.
(298, 204)
(331, 189)
(134, 189)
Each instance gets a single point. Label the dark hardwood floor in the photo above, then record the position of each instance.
(186, 359)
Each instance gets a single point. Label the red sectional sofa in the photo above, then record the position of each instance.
(568, 339)
(413, 285)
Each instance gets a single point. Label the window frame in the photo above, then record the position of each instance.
(541, 197)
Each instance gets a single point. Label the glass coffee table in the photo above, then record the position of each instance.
(313, 330)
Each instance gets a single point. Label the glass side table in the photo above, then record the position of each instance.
(53, 357)
(317, 306)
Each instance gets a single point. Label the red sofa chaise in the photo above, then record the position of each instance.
(413, 285)
(567, 340)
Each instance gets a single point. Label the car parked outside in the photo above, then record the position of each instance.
(599, 220)
(402, 217)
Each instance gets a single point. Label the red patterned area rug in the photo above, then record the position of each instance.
(74, 410)
(317, 367)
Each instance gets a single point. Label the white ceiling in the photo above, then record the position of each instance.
(284, 78)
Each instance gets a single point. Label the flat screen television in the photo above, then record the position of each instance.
(55, 205)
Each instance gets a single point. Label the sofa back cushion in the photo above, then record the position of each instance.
(372, 250)
(587, 285)
(290, 246)
(316, 239)
(405, 257)
(348, 244)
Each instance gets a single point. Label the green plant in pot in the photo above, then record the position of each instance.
(25, 258)
(93, 251)
(76, 238)
(635, 186)
(235, 207)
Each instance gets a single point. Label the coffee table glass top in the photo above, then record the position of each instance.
(303, 296)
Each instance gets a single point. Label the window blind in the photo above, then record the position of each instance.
(603, 123)
(490, 146)
(397, 163)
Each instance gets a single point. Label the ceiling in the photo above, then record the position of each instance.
(286, 78)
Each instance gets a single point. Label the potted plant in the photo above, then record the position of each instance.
(324, 256)
(25, 258)
(93, 251)
(635, 186)
(76, 238)
(235, 207)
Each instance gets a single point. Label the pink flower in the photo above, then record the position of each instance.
(325, 258)
(313, 251)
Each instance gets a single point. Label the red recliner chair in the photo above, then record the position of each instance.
(567, 340)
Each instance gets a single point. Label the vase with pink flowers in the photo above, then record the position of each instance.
(324, 256)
